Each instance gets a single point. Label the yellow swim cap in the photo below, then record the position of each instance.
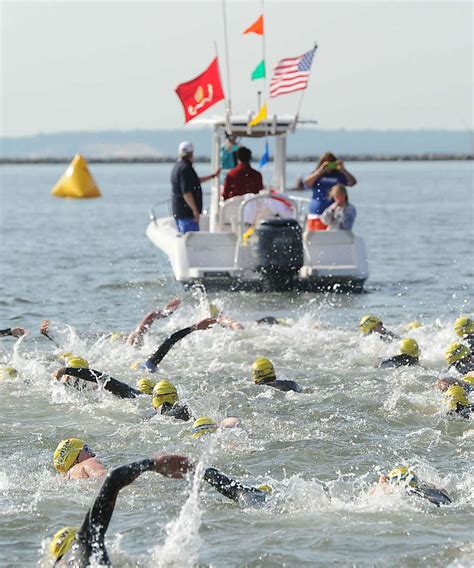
(402, 475)
(8, 373)
(456, 352)
(115, 336)
(203, 425)
(262, 369)
(164, 391)
(455, 395)
(77, 362)
(214, 311)
(66, 355)
(409, 346)
(464, 326)
(415, 324)
(468, 379)
(62, 542)
(66, 454)
(136, 365)
(367, 323)
(146, 385)
(266, 488)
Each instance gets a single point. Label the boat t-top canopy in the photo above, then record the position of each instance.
(239, 125)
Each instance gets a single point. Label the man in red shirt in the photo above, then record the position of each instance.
(243, 178)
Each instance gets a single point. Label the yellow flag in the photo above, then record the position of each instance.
(261, 114)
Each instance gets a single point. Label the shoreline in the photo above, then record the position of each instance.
(428, 157)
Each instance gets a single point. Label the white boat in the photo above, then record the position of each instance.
(277, 253)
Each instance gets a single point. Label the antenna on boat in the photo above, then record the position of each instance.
(295, 122)
(226, 43)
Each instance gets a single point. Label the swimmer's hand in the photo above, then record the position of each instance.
(172, 465)
(18, 331)
(58, 375)
(171, 307)
(204, 324)
(44, 327)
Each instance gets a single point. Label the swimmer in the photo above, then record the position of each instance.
(464, 328)
(13, 332)
(226, 321)
(460, 358)
(205, 425)
(76, 460)
(135, 338)
(263, 373)
(86, 545)
(457, 402)
(119, 388)
(165, 400)
(467, 382)
(8, 373)
(373, 324)
(409, 355)
(403, 477)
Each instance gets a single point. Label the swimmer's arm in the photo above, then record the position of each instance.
(227, 321)
(136, 336)
(160, 353)
(13, 331)
(91, 375)
(225, 485)
(44, 330)
(97, 519)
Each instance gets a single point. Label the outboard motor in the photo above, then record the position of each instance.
(279, 252)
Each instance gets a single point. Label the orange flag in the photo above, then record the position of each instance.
(256, 27)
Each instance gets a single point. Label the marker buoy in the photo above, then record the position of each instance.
(77, 182)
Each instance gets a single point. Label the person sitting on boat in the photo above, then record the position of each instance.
(76, 460)
(328, 173)
(405, 478)
(464, 328)
(228, 156)
(457, 403)
(243, 178)
(459, 357)
(134, 338)
(373, 324)
(186, 190)
(118, 388)
(263, 373)
(341, 214)
(409, 355)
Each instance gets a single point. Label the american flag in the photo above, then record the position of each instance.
(291, 74)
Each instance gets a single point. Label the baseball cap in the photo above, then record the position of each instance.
(186, 147)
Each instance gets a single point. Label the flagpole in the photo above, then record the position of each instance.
(265, 92)
(226, 43)
(298, 108)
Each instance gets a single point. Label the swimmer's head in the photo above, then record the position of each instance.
(409, 346)
(368, 323)
(67, 453)
(115, 336)
(146, 385)
(77, 363)
(415, 324)
(455, 396)
(456, 352)
(62, 542)
(464, 326)
(163, 392)
(203, 425)
(402, 476)
(8, 373)
(468, 379)
(263, 371)
(214, 311)
(65, 355)
(265, 488)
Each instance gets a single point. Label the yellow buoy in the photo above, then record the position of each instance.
(77, 182)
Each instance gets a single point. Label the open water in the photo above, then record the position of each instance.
(88, 265)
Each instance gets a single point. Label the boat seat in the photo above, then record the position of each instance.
(228, 213)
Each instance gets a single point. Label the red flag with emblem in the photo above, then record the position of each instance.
(202, 92)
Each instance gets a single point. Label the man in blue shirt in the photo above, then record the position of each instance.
(186, 190)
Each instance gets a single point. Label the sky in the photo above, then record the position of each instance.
(101, 65)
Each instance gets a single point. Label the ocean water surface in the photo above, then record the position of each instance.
(88, 267)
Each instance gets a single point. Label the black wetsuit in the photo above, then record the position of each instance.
(269, 320)
(6, 332)
(233, 489)
(178, 411)
(284, 386)
(154, 360)
(108, 383)
(463, 366)
(462, 411)
(431, 493)
(89, 540)
(386, 335)
(469, 339)
(399, 361)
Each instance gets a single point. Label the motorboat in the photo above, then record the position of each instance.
(259, 242)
